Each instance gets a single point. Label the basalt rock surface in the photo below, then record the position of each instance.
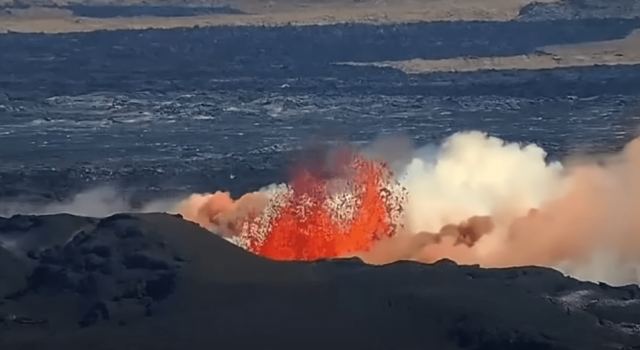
(157, 281)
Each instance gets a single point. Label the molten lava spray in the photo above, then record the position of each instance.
(473, 199)
(313, 223)
(313, 218)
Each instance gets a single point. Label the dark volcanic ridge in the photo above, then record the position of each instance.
(155, 280)
(580, 9)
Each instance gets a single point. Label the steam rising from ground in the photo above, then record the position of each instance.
(581, 217)
(96, 202)
(477, 199)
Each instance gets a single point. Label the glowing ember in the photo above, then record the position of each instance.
(323, 218)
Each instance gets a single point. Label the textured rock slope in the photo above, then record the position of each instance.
(154, 280)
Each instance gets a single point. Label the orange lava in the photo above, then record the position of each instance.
(306, 228)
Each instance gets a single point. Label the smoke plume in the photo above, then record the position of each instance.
(474, 199)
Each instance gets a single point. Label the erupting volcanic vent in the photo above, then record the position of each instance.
(475, 199)
(319, 218)
(313, 217)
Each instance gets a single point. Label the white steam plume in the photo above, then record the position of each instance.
(582, 217)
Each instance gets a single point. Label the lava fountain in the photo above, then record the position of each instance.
(318, 221)
(314, 216)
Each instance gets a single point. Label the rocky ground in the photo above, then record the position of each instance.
(154, 280)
